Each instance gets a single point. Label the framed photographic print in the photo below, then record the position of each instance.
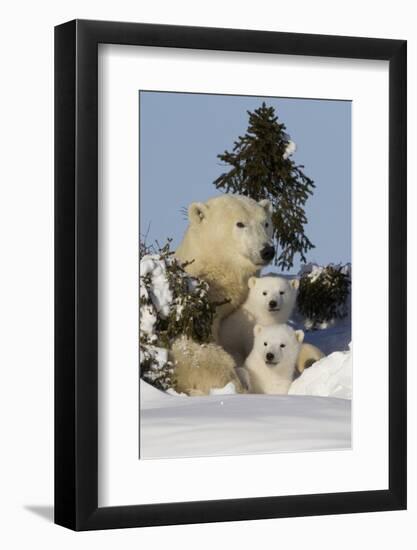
(230, 337)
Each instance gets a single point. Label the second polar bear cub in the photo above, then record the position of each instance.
(270, 301)
(271, 364)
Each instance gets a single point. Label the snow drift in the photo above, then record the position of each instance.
(175, 426)
(329, 377)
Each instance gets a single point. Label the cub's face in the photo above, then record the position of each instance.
(276, 344)
(273, 293)
(234, 226)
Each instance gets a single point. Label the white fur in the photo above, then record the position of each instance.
(222, 246)
(270, 301)
(271, 363)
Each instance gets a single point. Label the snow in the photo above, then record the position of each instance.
(316, 415)
(147, 319)
(290, 149)
(314, 270)
(157, 301)
(159, 298)
(161, 294)
(329, 377)
(229, 389)
(176, 426)
(147, 313)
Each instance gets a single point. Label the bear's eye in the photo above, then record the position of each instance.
(282, 346)
(267, 224)
(240, 224)
(265, 344)
(264, 293)
(282, 292)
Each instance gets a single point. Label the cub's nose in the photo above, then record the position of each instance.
(267, 252)
(269, 356)
(272, 304)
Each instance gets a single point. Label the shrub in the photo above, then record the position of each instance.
(172, 304)
(324, 294)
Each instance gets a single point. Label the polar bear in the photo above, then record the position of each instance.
(202, 367)
(270, 301)
(271, 365)
(228, 240)
(308, 355)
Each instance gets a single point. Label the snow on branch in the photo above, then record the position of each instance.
(172, 304)
(324, 294)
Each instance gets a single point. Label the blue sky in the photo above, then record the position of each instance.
(182, 134)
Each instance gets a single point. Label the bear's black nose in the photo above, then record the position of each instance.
(269, 356)
(272, 304)
(267, 253)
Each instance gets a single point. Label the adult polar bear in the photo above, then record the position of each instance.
(228, 240)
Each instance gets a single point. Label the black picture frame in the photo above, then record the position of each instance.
(76, 271)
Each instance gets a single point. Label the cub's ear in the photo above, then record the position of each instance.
(251, 282)
(295, 283)
(257, 329)
(299, 334)
(197, 212)
(266, 205)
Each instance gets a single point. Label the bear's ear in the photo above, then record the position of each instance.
(197, 211)
(295, 283)
(299, 334)
(251, 282)
(266, 205)
(257, 329)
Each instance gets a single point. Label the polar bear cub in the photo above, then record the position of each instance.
(272, 362)
(270, 301)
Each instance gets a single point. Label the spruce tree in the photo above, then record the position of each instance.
(261, 168)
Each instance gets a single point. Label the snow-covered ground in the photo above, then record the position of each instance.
(176, 426)
(316, 415)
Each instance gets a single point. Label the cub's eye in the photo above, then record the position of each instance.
(240, 224)
(265, 344)
(264, 293)
(267, 224)
(282, 292)
(282, 346)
